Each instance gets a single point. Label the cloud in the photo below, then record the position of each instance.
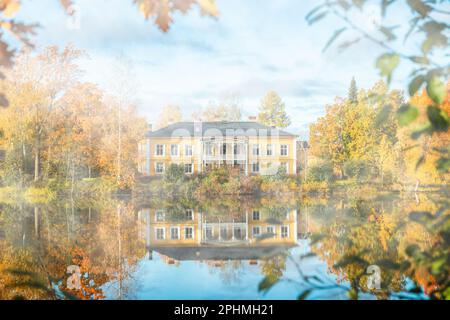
(253, 47)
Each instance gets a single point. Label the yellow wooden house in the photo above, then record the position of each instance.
(250, 146)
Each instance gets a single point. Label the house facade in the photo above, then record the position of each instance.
(196, 235)
(197, 146)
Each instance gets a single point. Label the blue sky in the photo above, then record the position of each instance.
(253, 47)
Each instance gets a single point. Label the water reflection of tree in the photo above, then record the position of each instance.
(230, 271)
(40, 243)
(405, 238)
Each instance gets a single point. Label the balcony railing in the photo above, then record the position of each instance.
(224, 157)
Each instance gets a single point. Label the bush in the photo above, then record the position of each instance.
(321, 172)
(357, 169)
(174, 173)
(39, 195)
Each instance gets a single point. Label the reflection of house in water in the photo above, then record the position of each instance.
(198, 236)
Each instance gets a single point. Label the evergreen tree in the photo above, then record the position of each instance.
(272, 111)
(353, 92)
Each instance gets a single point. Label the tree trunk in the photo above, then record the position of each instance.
(36, 165)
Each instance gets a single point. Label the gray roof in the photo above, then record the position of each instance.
(222, 253)
(220, 128)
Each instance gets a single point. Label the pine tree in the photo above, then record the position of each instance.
(353, 92)
(272, 111)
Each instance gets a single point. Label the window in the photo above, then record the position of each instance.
(159, 167)
(160, 234)
(270, 150)
(174, 233)
(174, 150)
(208, 150)
(223, 233)
(160, 216)
(188, 150)
(189, 233)
(284, 150)
(189, 214)
(188, 168)
(256, 149)
(255, 167)
(256, 231)
(236, 149)
(223, 149)
(208, 233)
(284, 231)
(238, 232)
(159, 149)
(256, 215)
(271, 230)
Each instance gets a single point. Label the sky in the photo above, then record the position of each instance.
(252, 47)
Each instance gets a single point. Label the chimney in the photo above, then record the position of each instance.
(252, 118)
(149, 127)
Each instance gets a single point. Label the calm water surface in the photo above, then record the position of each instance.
(248, 248)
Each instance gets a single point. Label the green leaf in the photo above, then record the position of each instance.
(436, 89)
(419, 60)
(439, 118)
(415, 84)
(407, 114)
(420, 7)
(443, 165)
(390, 36)
(304, 294)
(422, 129)
(317, 17)
(333, 38)
(358, 3)
(388, 264)
(437, 265)
(412, 250)
(434, 36)
(348, 260)
(353, 294)
(313, 11)
(267, 283)
(421, 161)
(387, 63)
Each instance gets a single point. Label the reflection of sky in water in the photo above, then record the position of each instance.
(155, 279)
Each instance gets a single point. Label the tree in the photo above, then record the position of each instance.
(170, 114)
(356, 132)
(56, 127)
(353, 92)
(46, 75)
(428, 24)
(272, 111)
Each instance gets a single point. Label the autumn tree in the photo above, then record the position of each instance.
(272, 111)
(356, 132)
(47, 75)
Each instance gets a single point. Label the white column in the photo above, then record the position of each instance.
(148, 156)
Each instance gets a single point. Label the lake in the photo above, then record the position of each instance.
(336, 247)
